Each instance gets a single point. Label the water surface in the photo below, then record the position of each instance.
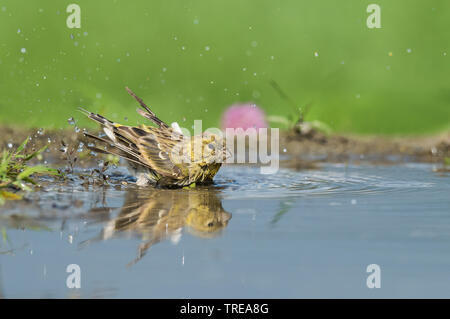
(294, 234)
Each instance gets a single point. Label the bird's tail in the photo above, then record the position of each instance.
(118, 144)
(148, 113)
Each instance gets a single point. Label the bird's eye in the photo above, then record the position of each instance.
(210, 224)
(211, 147)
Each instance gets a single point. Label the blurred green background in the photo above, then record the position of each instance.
(191, 59)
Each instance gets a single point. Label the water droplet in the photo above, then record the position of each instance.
(10, 145)
(256, 94)
(254, 44)
(93, 153)
(408, 50)
(71, 120)
(98, 95)
(244, 69)
(207, 48)
(40, 131)
(18, 31)
(118, 60)
(183, 48)
(23, 50)
(164, 69)
(316, 54)
(284, 150)
(353, 201)
(196, 21)
(434, 150)
(272, 57)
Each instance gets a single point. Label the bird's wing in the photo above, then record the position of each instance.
(155, 147)
(147, 146)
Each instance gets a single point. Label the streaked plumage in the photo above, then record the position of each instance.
(161, 155)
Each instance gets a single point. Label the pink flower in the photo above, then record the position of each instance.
(244, 116)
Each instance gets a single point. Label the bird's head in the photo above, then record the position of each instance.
(209, 148)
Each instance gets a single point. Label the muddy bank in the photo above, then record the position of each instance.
(302, 150)
(314, 145)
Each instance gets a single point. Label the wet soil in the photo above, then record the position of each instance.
(303, 149)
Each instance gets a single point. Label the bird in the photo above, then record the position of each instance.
(161, 155)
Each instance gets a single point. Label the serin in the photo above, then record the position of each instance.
(161, 155)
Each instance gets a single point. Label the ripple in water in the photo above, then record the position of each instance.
(244, 182)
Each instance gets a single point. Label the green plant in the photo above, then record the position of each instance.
(296, 119)
(15, 174)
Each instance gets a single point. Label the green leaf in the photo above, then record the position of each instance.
(22, 146)
(4, 163)
(39, 169)
(30, 156)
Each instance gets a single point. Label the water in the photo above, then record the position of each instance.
(294, 234)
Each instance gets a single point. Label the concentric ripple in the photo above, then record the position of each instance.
(331, 179)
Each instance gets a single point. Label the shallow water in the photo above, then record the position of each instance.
(293, 234)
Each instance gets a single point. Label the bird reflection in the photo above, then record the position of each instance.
(160, 214)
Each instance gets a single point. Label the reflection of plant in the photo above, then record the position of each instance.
(296, 119)
(16, 174)
(17, 222)
(5, 241)
(285, 206)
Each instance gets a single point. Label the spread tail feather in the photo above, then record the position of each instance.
(149, 113)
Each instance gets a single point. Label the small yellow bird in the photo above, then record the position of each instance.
(161, 156)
